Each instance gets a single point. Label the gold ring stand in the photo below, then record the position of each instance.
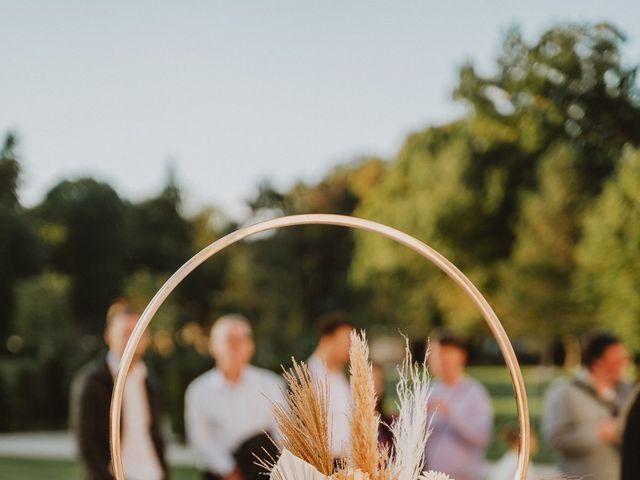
(338, 220)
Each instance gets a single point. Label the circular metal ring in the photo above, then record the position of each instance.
(337, 220)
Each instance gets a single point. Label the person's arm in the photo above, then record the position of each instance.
(471, 417)
(561, 428)
(90, 429)
(202, 437)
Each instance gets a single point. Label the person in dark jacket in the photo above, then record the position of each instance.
(631, 441)
(142, 445)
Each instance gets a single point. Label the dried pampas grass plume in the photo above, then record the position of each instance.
(364, 454)
(412, 426)
(303, 419)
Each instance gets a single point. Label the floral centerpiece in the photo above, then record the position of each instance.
(304, 424)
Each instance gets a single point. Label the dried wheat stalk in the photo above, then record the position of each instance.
(364, 454)
(303, 419)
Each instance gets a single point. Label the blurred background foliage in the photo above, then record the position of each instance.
(534, 193)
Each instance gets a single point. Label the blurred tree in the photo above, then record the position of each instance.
(44, 322)
(284, 279)
(140, 288)
(571, 84)
(162, 238)
(202, 292)
(159, 236)
(535, 298)
(608, 256)
(396, 275)
(45, 326)
(434, 191)
(21, 253)
(9, 172)
(459, 187)
(82, 223)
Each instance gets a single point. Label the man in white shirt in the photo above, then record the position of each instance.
(142, 445)
(228, 408)
(327, 364)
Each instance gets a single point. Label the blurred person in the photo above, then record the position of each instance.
(631, 429)
(580, 415)
(142, 444)
(631, 440)
(228, 413)
(328, 362)
(462, 417)
(385, 437)
(506, 467)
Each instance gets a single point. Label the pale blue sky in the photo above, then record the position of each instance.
(236, 91)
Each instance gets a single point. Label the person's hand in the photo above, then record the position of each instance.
(608, 431)
(438, 407)
(234, 475)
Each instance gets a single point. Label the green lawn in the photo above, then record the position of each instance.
(21, 469)
(497, 381)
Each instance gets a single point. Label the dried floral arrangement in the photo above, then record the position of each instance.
(304, 426)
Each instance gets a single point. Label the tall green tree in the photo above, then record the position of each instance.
(202, 291)
(536, 297)
(160, 236)
(570, 84)
(9, 172)
(46, 325)
(460, 187)
(83, 225)
(21, 253)
(285, 279)
(608, 256)
(423, 193)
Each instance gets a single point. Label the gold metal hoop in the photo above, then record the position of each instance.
(324, 219)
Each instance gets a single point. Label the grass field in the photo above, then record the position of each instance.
(21, 469)
(497, 381)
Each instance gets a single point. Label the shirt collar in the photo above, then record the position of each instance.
(584, 375)
(220, 379)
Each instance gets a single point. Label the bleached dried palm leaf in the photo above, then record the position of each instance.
(433, 475)
(290, 467)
